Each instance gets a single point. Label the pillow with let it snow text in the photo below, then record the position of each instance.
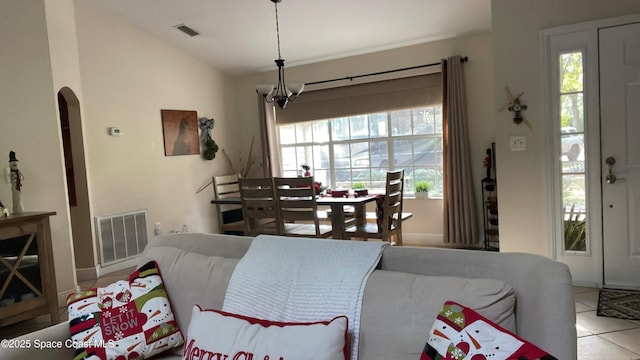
(129, 319)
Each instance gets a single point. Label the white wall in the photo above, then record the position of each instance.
(32, 43)
(63, 47)
(127, 78)
(516, 53)
(426, 226)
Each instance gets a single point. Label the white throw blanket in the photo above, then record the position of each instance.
(303, 280)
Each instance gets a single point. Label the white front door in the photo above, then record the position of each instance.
(620, 149)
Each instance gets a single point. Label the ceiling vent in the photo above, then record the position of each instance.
(187, 30)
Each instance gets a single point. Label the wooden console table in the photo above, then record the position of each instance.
(27, 276)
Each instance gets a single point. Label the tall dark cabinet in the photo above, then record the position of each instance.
(490, 212)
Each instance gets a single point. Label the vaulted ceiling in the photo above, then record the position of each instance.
(239, 36)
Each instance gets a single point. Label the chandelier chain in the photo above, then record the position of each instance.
(279, 94)
(278, 31)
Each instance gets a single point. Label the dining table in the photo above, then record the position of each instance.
(337, 204)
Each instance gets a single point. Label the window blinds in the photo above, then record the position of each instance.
(402, 93)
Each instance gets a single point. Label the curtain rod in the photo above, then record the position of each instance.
(463, 60)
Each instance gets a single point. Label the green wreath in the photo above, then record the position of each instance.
(211, 149)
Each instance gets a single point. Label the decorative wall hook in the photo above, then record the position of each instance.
(514, 104)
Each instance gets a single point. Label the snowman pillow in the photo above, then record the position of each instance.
(128, 319)
(461, 333)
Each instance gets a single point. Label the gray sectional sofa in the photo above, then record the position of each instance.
(528, 294)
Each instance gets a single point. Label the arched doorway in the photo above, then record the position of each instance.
(75, 166)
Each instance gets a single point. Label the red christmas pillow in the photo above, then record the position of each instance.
(128, 319)
(461, 333)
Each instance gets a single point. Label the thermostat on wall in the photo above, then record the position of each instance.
(114, 131)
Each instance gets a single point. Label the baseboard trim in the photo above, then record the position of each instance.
(131, 262)
(432, 240)
(86, 274)
(89, 274)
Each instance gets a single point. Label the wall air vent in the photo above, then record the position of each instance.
(121, 236)
(187, 30)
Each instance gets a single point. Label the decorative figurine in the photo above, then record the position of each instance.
(16, 183)
(4, 212)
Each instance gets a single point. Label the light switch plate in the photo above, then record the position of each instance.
(518, 143)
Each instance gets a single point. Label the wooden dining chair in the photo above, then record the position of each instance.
(389, 223)
(259, 206)
(296, 202)
(229, 216)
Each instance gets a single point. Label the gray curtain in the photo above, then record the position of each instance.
(269, 138)
(460, 222)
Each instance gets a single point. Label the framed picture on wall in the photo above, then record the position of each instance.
(180, 130)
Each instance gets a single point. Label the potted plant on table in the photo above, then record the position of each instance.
(422, 188)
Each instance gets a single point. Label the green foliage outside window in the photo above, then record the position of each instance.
(575, 231)
(346, 151)
(572, 141)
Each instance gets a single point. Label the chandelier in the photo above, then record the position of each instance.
(281, 94)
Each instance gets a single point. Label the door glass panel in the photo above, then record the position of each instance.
(571, 72)
(575, 212)
(572, 154)
(572, 113)
(572, 151)
(573, 194)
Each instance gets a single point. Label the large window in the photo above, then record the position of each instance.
(572, 144)
(346, 151)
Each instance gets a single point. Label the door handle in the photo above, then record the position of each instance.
(611, 178)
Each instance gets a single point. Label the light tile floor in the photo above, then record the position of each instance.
(602, 337)
(598, 337)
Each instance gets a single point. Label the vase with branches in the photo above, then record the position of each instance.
(243, 170)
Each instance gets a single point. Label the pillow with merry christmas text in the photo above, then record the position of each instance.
(216, 334)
